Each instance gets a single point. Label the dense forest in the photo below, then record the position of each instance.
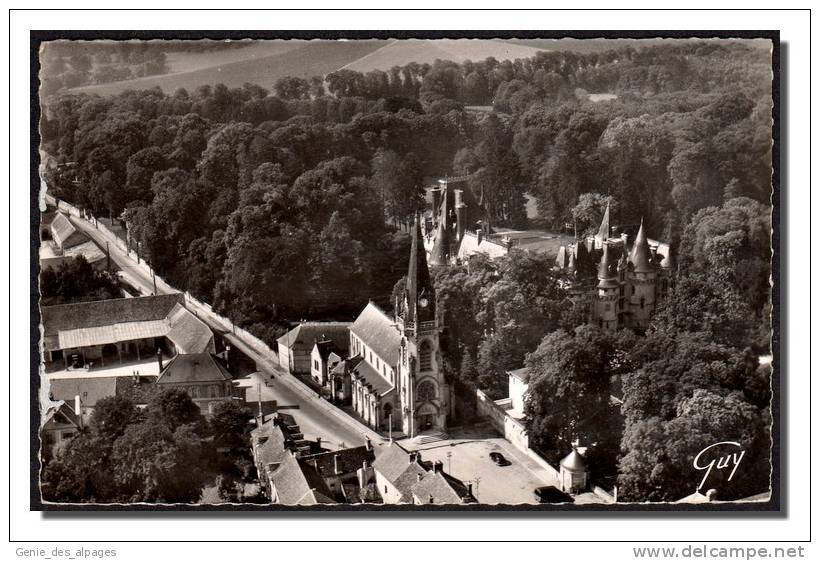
(282, 204)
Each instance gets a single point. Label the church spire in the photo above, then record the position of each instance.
(419, 295)
(640, 252)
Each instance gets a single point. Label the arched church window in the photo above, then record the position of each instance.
(425, 356)
(426, 391)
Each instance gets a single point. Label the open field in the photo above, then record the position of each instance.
(309, 59)
(399, 53)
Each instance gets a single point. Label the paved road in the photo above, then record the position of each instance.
(316, 417)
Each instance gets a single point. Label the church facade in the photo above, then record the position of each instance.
(398, 384)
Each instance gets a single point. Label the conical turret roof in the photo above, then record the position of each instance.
(603, 230)
(605, 267)
(640, 252)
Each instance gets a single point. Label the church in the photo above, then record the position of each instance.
(618, 285)
(397, 384)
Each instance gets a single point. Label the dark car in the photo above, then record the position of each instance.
(499, 459)
(552, 494)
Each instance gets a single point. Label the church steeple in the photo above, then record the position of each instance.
(420, 298)
(640, 253)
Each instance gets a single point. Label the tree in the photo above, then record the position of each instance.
(153, 463)
(590, 210)
(399, 181)
(568, 397)
(229, 425)
(112, 416)
(657, 462)
(75, 280)
(172, 408)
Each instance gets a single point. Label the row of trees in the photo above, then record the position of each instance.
(69, 64)
(166, 453)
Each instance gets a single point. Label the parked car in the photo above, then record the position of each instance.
(499, 459)
(552, 494)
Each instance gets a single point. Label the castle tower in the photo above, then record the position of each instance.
(440, 255)
(666, 273)
(606, 304)
(424, 394)
(641, 280)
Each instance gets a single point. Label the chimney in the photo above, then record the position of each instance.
(419, 476)
(135, 378)
(438, 467)
(78, 409)
(227, 357)
(337, 466)
(479, 233)
(470, 488)
(624, 238)
(411, 457)
(159, 359)
(319, 442)
(431, 499)
(367, 444)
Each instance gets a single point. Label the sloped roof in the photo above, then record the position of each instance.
(61, 412)
(326, 348)
(303, 336)
(90, 390)
(349, 460)
(379, 332)
(105, 334)
(574, 461)
(188, 332)
(394, 464)
(108, 312)
(65, 233)
(89, 250)
(371, 376)
(197, 367)
(102, 322)
(297, 483)
(443, 488)
(520, 374)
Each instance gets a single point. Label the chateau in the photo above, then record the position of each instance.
(618, 284)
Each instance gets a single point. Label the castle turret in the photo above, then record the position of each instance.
(641, 280)
(603, 231)
(606, 305)
(640, 257)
